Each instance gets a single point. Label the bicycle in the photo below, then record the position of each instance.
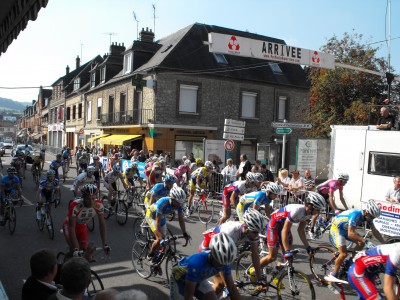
(46, 219)
(66, 165)
(56, 199)
(36, 173)
(203, 205)
(10, 214)
(288, 282)
(116, 206)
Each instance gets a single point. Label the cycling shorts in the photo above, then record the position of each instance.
(152, 223)
(177, 288)
(81, 233)
(364, 284)
(337, 237)
(47, 196)
(274, 235)
(203, 185)
(96, 175)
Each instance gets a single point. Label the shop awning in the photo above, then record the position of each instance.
(118, 139)
(94, 138)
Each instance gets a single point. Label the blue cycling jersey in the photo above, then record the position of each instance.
(55, 165)
(163, 207)
(352, 217)
(8, 183)
(259, 198)
(158, 191)
(46, 185)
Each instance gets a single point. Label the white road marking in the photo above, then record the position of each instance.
(3, 295)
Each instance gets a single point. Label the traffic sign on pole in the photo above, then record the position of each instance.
(233, 136)
(235, 123)
(283, 130)
(229, 145)
(231, 129)
(291, 125)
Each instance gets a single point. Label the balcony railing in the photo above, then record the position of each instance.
(129, 117)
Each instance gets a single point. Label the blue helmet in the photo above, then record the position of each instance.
(169, 179)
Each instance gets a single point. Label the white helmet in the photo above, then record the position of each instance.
(259, 177)
(223, 249)
(178, 194)
(91, 169)
(187, 162)
(316, 200)
(343, 176)
(208, 164)
(373, 209)
(273, 188)
(251, 177)
(254, 220)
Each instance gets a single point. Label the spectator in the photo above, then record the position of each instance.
(255, 169)
(393, 194)
(268, 176)
(40, 284)
(309, 182)
(142, 156)
(258, 163)
(296, 184)
(386, 121)
(283, 180)
(94, 150)
(244, 167)
(75, 277)
(191, 158)
(229, 172)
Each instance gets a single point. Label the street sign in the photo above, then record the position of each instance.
(235, 123)
(291, 125)
(233, 136)
(229, 145)
(283, 130)
(230, 129)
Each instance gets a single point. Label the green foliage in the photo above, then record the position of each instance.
(343, 96)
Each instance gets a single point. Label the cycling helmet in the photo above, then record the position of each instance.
(95, 157)
(373, 209)
(259, 177)
(11, 170)
(154, 158)
(51, 172)
(117, 168)
(59, 156)
(178, 194)
(162, 162)
(251, 177)
(88, 189)
(254, 220)
(316, 200)
(20, 153)
(223, 249)
(133, 164)
(208, 164)
(199, 160)
(273, 188)
(187, 163)
(169, 179)
(91, 169)
(343, 176)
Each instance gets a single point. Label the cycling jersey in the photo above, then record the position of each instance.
(162, 207)
(98, 166)
(239, 187)
(17, 162)
(158, 191)
(65, 154)
(247, 200)
(180, 171)
(329, 186)
(202, 173)
(112, 177)
(84, 179)
(54, 165)
(46, 185)
(9, 183)
(130, 173)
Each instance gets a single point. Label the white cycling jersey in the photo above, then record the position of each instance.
(83, 178)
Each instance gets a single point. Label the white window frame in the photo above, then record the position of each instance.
(282, 103)
(99, 104)
(103, 74)
(188, 98)
(89, 111)
(77, 83)
(249, 105)
(93, 79)
(128, 63)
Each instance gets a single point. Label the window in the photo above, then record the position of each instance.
(220, 58)
(80, 111)
(73, 112)
(77, 83)
(68, 113)
(282, 108)
(384, 164)
(93, 79)
(275, 67)
(249, 104)
(103, 74)
(122, 103)
(128, 63)
(188, 99)
(89, 111)
(99, 103)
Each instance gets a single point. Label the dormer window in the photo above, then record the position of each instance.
(128, 63)
(275, 67)
(77, 83)
(220, 59)
(93, 79)
(103, 74)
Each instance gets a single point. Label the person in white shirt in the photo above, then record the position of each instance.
(393, 194)
(296, 184)
(229, 172)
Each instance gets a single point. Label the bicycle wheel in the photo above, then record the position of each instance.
(296, 287)
(49, 226)
(90, 225)
(332, 242)
(58, 199)
(171, 261)
(139, 231)
(12, 219)
(95, 284)
(40, 223)
(140, 263)
(393, 239)
(243, 263)
(206, 211)
(322, 263)
(121, 212)
(107, 207)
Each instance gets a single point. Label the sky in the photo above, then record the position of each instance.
(68, 28)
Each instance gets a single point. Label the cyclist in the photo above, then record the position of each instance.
(98, 170)
(78, 155)
(256, 199)
(159, 190)
(48, 190)
(36, 163)
(55, 164)
(130, 173)
(198, 163)
(199, 179)
(232, 192)
(259, 180)
(115, 160)
(18, 162)
(110, 181)
(182, 173)
(84, 178)
(80, 212)
(9, 185)
(66, 155)
(381, 259)
(156, 213)
(243, 233)
(278, 228)
(344, 228)
(147, 169)
(83, 162)
(155, 175)
(189, 278)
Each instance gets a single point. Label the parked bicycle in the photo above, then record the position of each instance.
(46, 220)
(117, 207)
(10, 215)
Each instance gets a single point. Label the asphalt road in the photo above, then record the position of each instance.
(117, 271)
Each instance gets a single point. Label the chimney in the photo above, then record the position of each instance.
(67, 70)
(116, 49)
(78, 62)
(147, 35)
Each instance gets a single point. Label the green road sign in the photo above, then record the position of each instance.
(283, 130)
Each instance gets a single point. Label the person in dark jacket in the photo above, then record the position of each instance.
(244, 167)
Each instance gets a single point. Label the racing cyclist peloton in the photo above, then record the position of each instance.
(344, 228)
(233, 191)
(110, 181)
(9, 184)
(130, 173)
(159, 190)
(264, 197)
(57, 163)
(182, 173)
(189, 277)
(84, 178)
(362, 273)
(47, 192)
(278, 228)
(98, 170)
(199, 179)
(80, 212)
(156, 217)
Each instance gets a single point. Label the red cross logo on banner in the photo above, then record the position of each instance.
(315, 58)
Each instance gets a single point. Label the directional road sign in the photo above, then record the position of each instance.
(283, 130)
(235, 123)
(233, 136)
(232, 129)
(291, 125)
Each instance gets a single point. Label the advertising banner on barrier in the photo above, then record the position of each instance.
(389, 221)
(125, 163)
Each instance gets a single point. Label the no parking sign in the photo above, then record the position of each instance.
(229, 145)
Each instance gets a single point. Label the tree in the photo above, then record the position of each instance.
(344, 96)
